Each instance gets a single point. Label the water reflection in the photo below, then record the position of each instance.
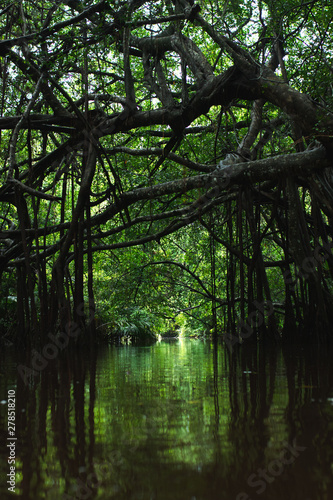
(178, 420)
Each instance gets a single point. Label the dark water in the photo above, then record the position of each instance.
(172, 421)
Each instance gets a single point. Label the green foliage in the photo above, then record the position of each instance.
(146, 89)
(133, 324)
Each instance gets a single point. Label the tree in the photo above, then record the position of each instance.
(125, 122)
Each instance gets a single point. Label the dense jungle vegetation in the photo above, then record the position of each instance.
(166, 166)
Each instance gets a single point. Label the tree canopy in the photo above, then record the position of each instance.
(170, 158)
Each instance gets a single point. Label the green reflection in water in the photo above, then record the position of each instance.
(178, 420)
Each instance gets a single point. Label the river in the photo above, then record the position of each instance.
(177, 420)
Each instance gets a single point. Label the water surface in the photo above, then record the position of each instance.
(176, 420)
